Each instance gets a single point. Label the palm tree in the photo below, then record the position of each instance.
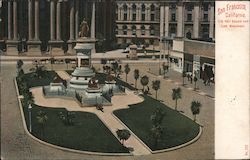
(183, 77)
(195, 108)
(126, 70)
(41, 120)
(123, 135)
(28, 97)
(19, 65)
(136, 76)
(176, 94)
(195, 80)
(156, 132)
(144, 81)
(165, 69)
(156, 86)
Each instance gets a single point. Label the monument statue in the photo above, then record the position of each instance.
(84, 29)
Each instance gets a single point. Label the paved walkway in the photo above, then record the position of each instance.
(64, 75)
(118, 102)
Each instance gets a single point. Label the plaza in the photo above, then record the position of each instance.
(80, 95)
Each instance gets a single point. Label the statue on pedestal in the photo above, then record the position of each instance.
(84, 29)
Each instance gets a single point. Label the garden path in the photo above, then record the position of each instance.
(107, 117)
(64, 75)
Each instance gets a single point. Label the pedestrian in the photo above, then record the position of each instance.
(191, 79)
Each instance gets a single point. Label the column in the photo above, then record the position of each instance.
(36, 19)
(30, 19)
(166, 20)
(58, 20)
(52, 20)
(130, 13)
(93, 21)
(9, 20)
(15, 19)
(211, 22)
(161, 21)
(72, 10)
(139, 16)
(119, 13)
(196, 21)
(180, 25)
(77, 20)
(122, 13)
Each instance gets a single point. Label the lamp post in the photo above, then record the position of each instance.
(30, 124)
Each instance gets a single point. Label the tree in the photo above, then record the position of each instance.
(115, 67)
(183, 77)
(165, 69)
(126, 70)
(144, 81)
(19, 65)
(195, 108)
(156, 86)
(41, 120)
(157, 130)
(39, 71)
(136, 76)
(123, 135)
(176, 94)
(195, 81)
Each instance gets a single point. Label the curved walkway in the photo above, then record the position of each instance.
(118, 102)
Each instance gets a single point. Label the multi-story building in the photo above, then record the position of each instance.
(38, 26)
(150, 20)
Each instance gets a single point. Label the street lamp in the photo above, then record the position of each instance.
(30, 107)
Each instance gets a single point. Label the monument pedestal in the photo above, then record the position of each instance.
(34, 48)
(56, 47)
(88, 42)
(12, 47)
(71, 45)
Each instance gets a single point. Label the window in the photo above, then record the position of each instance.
(124, 29)
(205, 7)
(152, 8)
(152, 30)
(125, 17)
(152, 17)
(205, 17)
(133, 12)
(143, 8)
(133, 30)
(142, 30)
(143, 16)
(189, 17)
(173, 30)
(189, 7)
(173, 18)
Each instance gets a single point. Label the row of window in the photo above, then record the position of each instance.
(133, 28)
(143, 17)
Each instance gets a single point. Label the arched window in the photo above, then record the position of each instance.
(142, 30)
(152, 8)
(133, 30)
(125, 8)
(152, 15)
(134, 12)
(124, 28)
(152, 30)
(143, 9)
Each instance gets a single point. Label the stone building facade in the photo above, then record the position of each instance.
(149, 21)
(36, 27)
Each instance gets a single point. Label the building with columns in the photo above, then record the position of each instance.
(149, 21)
(35, 27)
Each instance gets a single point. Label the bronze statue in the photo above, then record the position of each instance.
(84, 29)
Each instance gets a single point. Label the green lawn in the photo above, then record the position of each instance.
(88, 133)
(178, 129)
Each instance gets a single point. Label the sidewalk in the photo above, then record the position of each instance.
(176, 77)
(118, 102)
